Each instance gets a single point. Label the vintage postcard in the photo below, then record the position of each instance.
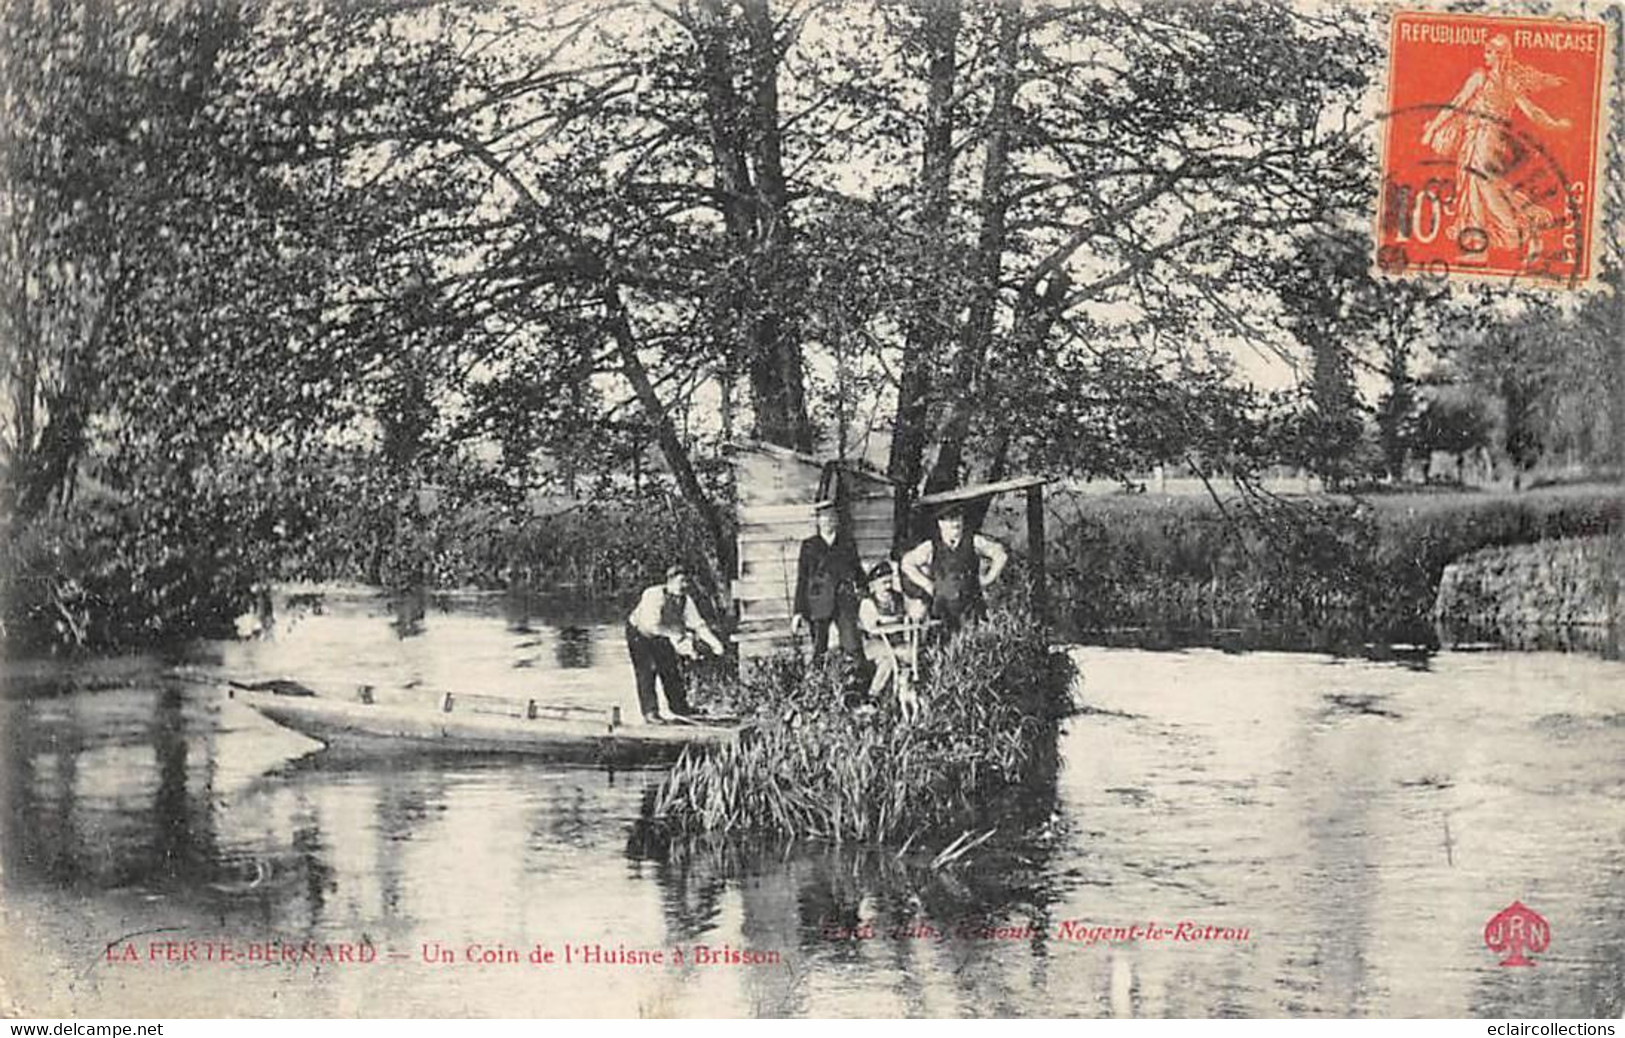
(806, 509)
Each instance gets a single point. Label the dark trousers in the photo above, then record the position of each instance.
(954, 610)
(845, 622)
(651, 658)
(957, 611)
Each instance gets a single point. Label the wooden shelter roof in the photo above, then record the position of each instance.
(775, 451)
(977, 491)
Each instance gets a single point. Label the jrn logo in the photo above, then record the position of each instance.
(1514, 929)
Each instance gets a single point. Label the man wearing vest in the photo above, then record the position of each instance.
(664, 624)
(828, 577)
(951, 569)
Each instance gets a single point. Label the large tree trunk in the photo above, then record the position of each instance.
(930, 318)
(777, 372)
(53, 400)
(45, 472)
(731, 176)
(758, 313)
(987, 262)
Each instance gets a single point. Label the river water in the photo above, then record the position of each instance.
(1290, 834)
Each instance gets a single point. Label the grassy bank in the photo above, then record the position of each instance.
(1555, 593)
(1302, 572)
(811, 767)
(1307, 572)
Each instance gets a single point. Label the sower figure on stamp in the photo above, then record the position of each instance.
(828, 576)
(662, 627)
(1473, 131)
(950, 570)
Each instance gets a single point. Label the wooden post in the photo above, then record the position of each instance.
(1035, 553)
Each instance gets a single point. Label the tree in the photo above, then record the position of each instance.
(1452, 422)
(180, 310)
(444, 239)
(934, 33)
(1546, 369)
(1112, 199)
(677, 168)
(1321, 288)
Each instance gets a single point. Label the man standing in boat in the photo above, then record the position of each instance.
(828, 576)
(664, 624)
(950, 570)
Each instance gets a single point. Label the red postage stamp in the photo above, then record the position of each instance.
(1490, 146)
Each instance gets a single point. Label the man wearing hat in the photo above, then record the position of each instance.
(951, 569)
(664, 624)
(881, 616)
(828, 576)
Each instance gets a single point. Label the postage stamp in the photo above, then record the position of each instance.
(1490, 147)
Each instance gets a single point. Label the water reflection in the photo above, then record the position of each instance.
(1601, 639)
(1360, 819)
(410, 607)
(574, 648)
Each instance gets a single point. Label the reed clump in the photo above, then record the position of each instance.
(810, 765)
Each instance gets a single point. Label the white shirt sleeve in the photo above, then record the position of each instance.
(691, 616)
(919, 557)
(646, 617)
(869, 615)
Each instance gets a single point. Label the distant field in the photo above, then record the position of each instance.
(1098, 498)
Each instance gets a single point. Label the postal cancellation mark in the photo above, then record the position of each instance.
(1490, 146)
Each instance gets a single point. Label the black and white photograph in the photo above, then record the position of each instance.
(718, 509)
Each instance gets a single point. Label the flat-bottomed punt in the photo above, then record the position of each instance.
(459, 725)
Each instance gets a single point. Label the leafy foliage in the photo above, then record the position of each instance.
(482, 248)
(809, 767)
(1555, 594)
(1544, 379)
(1290, 573)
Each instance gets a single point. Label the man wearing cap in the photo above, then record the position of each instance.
(951, 570)
(664, 624)
(881, 616)
(828, 576)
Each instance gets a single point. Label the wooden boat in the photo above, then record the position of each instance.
(473, 724)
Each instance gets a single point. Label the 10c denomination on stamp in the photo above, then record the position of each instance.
(1490, 146)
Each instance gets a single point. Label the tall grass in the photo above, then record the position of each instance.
(1298, 573)
(809, 766)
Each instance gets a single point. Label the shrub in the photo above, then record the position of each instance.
(104, 578)
(1557, 593)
